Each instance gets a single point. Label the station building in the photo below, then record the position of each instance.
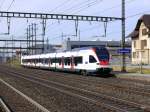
(68, 45)
(141, 41)
(112, 46)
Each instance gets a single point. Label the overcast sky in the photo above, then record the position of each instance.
(88, 30)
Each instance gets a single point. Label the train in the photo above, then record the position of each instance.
(89, 60)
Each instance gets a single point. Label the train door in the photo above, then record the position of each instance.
(49, 62)
(35, 62)
(92, 62)
(72, 62)
(62, 62)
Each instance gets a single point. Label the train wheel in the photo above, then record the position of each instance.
(84, 72)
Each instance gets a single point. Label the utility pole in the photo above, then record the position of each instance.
(8, 23)
(27, 40)
(79, 35)
(123, 69)
(29, 37)
(12, 50)
(43, 32)
(47, 45)
(35, 25)
(62, 37)
(32, 36)
(6, 50)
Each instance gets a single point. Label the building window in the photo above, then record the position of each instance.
(148, 33)
(134, 43)
(143, 44)
(144, 31)
(134, 54)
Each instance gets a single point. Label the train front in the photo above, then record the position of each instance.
(103, 66)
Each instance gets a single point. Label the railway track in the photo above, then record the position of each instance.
(3, 106)
(103, 87)
(128, 82)
(112, 103)
(140, 89)
(24, 101)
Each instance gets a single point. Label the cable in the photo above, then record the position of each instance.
(62, 4)
(11, 4)
(116, 6)
(77, 5)
(81, 9)
(69, 9)
(113, 7)
(96, 2)
(131, 16)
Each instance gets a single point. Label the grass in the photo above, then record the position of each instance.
(14, 62)
(132, 69)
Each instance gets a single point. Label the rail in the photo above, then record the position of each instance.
(4, 106)
(37, 105)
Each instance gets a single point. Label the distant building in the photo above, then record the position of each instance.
(112, 46)
(47, 49)
(141, 41)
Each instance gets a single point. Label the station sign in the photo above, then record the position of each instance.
(124, 50)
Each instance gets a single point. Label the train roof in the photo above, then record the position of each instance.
(87, 48)
(63, 52)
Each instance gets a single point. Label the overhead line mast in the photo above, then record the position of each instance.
(123, 69)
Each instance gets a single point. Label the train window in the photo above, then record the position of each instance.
(92, 59)
(37, 60)
(47, 61)
(53, 60)
(58, 60)
(23, 61)
(44, 60)
(102, 53)
(40, 60)
(78, 60)
(32, 60)
(67, 61)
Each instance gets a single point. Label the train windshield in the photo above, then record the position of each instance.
(102, 53)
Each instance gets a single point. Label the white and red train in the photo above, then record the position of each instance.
(82, 60)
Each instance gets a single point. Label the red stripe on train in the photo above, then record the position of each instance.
(104, 62)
